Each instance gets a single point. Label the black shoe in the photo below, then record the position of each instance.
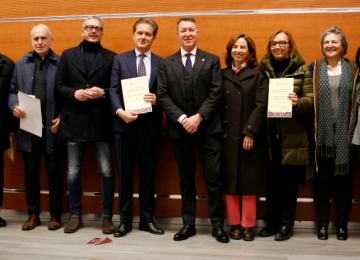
(185, 232)
(342, 233)
(270, 229)
(220, 235)
(151, 228)
(284, 233)
(2, 222)
(323, 233)
(122, 230)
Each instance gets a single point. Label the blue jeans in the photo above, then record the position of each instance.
(104, 161)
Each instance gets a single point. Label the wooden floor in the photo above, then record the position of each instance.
(41, 243)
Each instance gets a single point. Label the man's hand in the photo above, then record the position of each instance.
(127, 116)
(151, 97)
(96, 92)
(83, 95)
(192, 123)
(19, 112)
(54, 127)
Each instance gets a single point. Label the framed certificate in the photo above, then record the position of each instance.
(279, 105)
(134, 90)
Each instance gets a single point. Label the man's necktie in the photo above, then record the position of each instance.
(188, 65)
(141, 68)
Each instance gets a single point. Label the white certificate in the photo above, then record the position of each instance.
(133, 92)
(279, 104)
(32, 123)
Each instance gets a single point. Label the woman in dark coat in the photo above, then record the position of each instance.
(244, 135)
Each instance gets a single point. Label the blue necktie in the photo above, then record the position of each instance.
(188, 65)
(141, 68)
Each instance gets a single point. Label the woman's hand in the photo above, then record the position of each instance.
(248, 143)
(294, 98)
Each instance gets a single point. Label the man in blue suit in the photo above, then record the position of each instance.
(136, 133)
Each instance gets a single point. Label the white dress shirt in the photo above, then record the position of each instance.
(330, 70)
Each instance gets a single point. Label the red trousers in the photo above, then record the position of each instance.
(248, 210)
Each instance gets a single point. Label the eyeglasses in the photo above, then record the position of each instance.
(281, 44)
(91, 28)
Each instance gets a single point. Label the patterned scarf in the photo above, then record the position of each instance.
(333, 140)
(239, 69)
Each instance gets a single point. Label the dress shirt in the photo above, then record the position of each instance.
(330, 70)
(183, 58)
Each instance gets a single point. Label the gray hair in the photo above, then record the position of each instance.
(186, 19)
(93, 17)
(337, 31)
(44, 26)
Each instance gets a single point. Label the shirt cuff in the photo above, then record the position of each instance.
(118, 110)
(181, 118)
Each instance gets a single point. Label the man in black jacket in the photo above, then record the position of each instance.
(6, 68)
(82, 83)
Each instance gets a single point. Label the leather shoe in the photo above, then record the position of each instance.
(55, 222)
(151, 228)
(235, 232)
(31, 223)
(284, 233)
(323, 233)
(185, 232)
(74, 224)
(342, 233)
(220, 235)
(248, 234)
(122, 230)
(269, 230)
(2, 222)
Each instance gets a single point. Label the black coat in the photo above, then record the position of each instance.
(6, 119)
(90, 120)
(243, 113)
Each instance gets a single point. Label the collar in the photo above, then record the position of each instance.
(193, 52)
(330, 71)
(147, 54)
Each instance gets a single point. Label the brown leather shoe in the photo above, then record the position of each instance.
(235, 232)
(74, 224)
(108, 226)
(55, 222)
(248, 235)
(31, 223)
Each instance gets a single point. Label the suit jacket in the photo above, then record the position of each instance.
(124, 67)
(6, 69)
(172, 97)
(90, 120)
(23, 80)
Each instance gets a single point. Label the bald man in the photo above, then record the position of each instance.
(35, 75)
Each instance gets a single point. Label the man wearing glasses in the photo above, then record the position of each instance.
(82, 84)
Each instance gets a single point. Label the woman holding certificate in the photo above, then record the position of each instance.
(334, 92)
(288, 143)
(243, 112)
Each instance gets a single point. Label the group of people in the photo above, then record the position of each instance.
(220, 113)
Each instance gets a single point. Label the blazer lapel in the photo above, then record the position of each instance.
(131, 64)
(154, 70)
(200, 60)
(78, 60)
(100, 60)
(178, 69)
(246, 73)
(230, 75)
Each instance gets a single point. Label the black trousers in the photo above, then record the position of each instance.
(1, 178)
(282, 188)
(32, 162)
(344, 184)
(209, 150)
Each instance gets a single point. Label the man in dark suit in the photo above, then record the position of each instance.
(82, 83)
(189, 91)
(136, 133)
(35, 74)
(6, 69)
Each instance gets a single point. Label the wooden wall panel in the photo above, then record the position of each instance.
(215, 31)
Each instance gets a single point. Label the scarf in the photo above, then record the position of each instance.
(239, 69)
(333, 138)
